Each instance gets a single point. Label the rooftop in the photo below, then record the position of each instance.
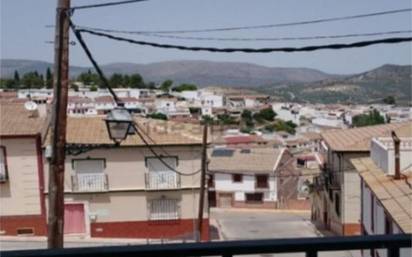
(15, 120)
(92, 130)
(358, 139)
(253, 160)
(394, 195)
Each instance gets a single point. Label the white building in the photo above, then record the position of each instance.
(386, 202)
(253, 178)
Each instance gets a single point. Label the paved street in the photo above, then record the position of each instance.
(227, 225)
(260, 224)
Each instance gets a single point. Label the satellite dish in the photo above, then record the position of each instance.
(30, 106)
(304, 189)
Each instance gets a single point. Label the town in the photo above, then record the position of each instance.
(205, 128)
(262, 155)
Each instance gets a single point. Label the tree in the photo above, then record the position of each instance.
(8, 83)
(267, 114)
(185, 87)
(74, 87)
(32, 80)
(49, 79)
(93, 88)
(16, 77)
(166, 85)
(389, 100)
(226, 119)
(372, 118)
(136, 81)
(116, 80)
(281, 125)
(247, 118)
(207, 119)
(157, 115)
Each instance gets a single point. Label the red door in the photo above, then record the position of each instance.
(74, 219)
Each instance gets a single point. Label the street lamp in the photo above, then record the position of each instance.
(118, 122)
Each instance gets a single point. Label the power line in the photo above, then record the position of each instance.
(107, 85)
(253, 50)
(105, 4)
(93, 61)
(160, 158)
(371, 34)
(278, 25)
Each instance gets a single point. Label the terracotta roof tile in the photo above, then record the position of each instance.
(258, 160)
(92, 130)
(16, 120)
(395, 195)
(358, 139)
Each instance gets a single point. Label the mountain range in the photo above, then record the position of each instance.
(286, 84)
(201, 73)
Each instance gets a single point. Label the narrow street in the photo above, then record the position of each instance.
(261, 224)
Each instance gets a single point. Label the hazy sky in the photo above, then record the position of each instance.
(23, 31)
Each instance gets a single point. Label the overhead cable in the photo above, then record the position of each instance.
(368, 34)
(160, 157)
(95, 65)
(278, 25)
(106, 4)
(394, 40)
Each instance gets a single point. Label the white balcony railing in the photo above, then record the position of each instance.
(162, 180)
(90, 183)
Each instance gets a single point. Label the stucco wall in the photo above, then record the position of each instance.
(125, 167)
(224, 183)
(20, 195)
(133, 206)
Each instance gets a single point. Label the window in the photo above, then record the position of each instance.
(372, 212)
(164, 209)
(337, 204)
(89, 175)
(211, 181)
(254, 198)
(388, 225)
(262, 181)
(3, 165)
(161, 176)
(237, 178)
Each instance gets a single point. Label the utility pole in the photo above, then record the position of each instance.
(202, 185)
(58, 126)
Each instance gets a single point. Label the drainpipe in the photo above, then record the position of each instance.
(397, 142)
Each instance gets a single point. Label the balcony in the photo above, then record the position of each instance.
(90, 183)
(310, 246)
(162, 180)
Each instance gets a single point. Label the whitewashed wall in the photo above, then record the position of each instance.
(224, 183)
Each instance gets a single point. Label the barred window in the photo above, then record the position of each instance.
(164, 209)
(3, 164)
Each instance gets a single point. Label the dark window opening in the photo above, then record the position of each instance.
(337, 204)
(254, 198)
(211, 181)
(238, 178)
(262, 181)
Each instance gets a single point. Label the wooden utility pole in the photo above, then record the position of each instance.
(58, 126)
(202, 185)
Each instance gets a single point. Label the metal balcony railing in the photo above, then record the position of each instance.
(162, 180)
(310, 246)
(90, 183)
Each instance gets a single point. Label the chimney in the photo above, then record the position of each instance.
(397, 143)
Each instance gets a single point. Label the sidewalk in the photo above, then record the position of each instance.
(76, 239)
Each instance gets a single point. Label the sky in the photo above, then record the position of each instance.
(24, 34)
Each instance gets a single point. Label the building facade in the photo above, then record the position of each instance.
(386, 202)
(22, 209)
(336, 199)
(128, 192)
(254, 177)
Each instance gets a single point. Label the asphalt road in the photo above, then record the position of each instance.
(260, 224)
